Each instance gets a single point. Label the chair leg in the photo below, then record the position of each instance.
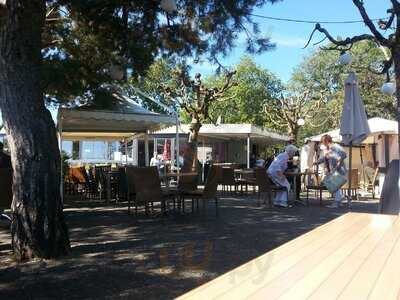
(307, 197)
(216, 207)
(270, 200)
(320, 197)
(192, 205)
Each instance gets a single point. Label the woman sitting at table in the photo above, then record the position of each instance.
(276, 171)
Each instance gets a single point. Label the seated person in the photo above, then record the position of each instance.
(277, 173)
(5, 159)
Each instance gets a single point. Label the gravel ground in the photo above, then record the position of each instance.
(116, 256)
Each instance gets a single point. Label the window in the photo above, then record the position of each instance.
(94, 150)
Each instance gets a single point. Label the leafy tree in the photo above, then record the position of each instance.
(196, 100)
(69, 49)
(255, 86)
(324, 77)
(386, 33)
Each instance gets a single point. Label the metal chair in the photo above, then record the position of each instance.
(317, 187)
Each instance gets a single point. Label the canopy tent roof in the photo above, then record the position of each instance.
(376, 125)
(118, 120)
(227, 131)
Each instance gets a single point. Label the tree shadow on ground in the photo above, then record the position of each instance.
(117, 255)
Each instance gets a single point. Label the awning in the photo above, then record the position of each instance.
(227, 132)
(123, 118)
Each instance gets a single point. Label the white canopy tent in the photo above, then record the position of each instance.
(377, 126)
(380, 145)
(247, 132)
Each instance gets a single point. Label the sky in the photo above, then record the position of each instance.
(290, 38)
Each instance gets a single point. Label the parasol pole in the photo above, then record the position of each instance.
(349, 172)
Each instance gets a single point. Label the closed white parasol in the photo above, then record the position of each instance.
(354, 126)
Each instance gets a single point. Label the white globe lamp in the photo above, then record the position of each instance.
(301, 122)
(345, 59)
(388, 88)
(168, 5)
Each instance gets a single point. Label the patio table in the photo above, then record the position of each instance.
(355, 256)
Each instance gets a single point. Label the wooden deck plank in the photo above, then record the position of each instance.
(327, 254)
(255, 273)
(387, 285)
(349, 253)
(365, 279)
(356, 256)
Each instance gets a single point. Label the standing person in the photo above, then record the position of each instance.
(334, 156)
(277, 173)
(5, 159)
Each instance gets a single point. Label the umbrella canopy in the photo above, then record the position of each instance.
(354, 124)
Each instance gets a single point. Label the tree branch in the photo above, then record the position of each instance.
(367, 20)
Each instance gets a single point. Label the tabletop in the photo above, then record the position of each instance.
(172, 175)
(356, 256)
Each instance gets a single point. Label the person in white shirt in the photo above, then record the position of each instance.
(276, 172)
(155, 161)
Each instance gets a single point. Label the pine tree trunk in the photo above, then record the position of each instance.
(38, 227)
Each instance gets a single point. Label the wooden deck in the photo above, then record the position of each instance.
(356, 256)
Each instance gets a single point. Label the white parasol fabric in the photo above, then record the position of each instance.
(354, 126)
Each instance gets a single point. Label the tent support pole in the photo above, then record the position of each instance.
(126, 151)
(177, 143)
(133, 150)
(248, 151)
(60, 140)
(146, 149)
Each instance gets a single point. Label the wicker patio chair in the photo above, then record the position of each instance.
(228, 180)
(208, 193)
(317, 187)
(354, 185)
(264, 185)
(147, 188)
(248, 179)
